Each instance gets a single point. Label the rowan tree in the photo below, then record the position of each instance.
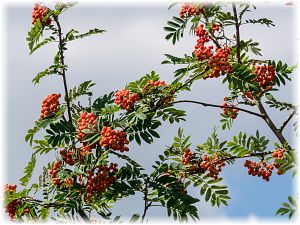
(87, 138)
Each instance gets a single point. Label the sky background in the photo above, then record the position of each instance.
(134, 45)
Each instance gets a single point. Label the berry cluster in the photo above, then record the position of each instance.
(202, 34)
(69, 181)
(232, 113)
(187, 156)
(264, 169)
(259, 169)
(216, 27)
(115, 139)
(85, 149)
(11, 208)
(201, 51)
(67, 156)
(53, 172)
(125, 100)
(278, 154)
(152, 83)
(264, 76)
(219, 62)
(249, 95)
(214, 166)
(39, 12)
(49, 105)
(100, 178)
(190, 9)
(84, 122)
(11, 188)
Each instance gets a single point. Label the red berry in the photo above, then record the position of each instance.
(83, 122)
(125, 100)
(39, 12)
(114, 139)
(49, 105)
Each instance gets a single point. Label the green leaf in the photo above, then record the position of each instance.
(208, 194)
(273, 103)
(42, 43)
(28, 171)
(82, 89)
(34, 35)
(74, 34)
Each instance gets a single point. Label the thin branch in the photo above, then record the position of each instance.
(61, 43)
(188, 81)
(287, 120)
(262, 154)
(237, 30)
(212, 36)
(146, 203)
(219, 106)
(41, 203)
(271, 124)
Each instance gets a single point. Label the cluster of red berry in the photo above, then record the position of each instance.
(278, 154)
(219, 62)
(264, 76)
(152, 83)
(158, 83)
(11, 188)
(12, 207)
(232, 113)
(49, 105)
(187, 156)
(202, 34)
(69, 181)
(216, 27)
(249, 95)
(85, 149)
(115, 139)
(201, 51)
(84, 122)
(259, 169)
(125, 100)
(214, 166)
(67, 156)
(100, 178)
(190, 9)
(264, 169)
(39, 12)
(53, 172)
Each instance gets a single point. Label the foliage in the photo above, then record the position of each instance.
(76, 132)
(288, 208)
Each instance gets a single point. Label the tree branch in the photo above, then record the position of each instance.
(287, 120)
(237, 31)
(218, 106)
(63, 73)
(270, 123)
(41, 203)
(212, 36)
(146, 204)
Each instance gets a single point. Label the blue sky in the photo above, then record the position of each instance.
(134, 45)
